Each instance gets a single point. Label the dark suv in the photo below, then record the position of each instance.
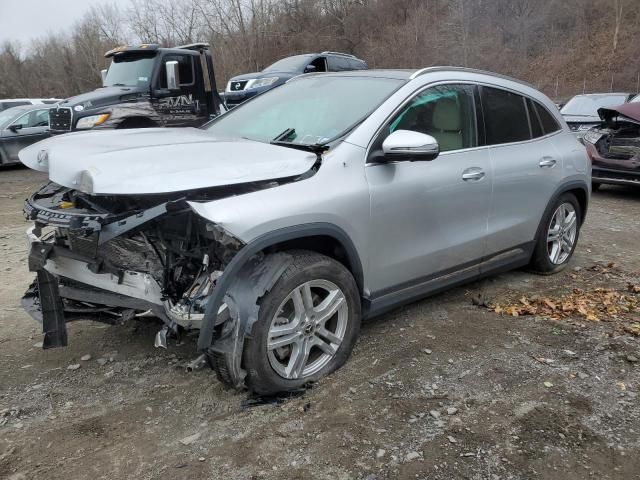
(244, 87)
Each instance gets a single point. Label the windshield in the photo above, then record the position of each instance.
(588, 105)
(317, 108)
(130, 71)
(289, 64)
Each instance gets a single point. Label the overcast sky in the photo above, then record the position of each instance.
(25, 19)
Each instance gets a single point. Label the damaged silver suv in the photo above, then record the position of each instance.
(278, 226)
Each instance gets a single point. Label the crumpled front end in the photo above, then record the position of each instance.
(614, 149)
(112, 258)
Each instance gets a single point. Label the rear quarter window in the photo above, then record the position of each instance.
(549, 123)
(505, 116)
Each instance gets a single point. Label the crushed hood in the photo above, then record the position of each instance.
(631, 112)
(159, 160)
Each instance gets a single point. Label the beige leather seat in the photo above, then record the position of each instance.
(447, 125)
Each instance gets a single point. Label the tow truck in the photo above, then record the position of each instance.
(146, 86)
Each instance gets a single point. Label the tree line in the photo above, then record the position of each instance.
(563, 47)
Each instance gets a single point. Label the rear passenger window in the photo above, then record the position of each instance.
(338, 64)
(505, 116)
(549, 123)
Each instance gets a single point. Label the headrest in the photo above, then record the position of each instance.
(446, 115)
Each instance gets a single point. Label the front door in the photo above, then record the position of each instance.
(429, 218)
(183, 108)
(34, 126)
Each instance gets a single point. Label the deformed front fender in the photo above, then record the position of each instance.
(248, 276)
(232, 272)
(251, 281)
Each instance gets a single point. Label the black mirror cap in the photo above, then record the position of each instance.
(15, 128)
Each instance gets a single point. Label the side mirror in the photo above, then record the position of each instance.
(310, 69)
(15, 128)
(409, 145)
(173, 75)
(103, 74)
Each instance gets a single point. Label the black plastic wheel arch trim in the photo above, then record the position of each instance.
(259, 244)
(562, 189)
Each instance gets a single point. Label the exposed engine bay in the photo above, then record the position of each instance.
(614, 146)
(621, 141)
(115, 257)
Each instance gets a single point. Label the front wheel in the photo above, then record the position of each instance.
(307, 325)
(558, 236)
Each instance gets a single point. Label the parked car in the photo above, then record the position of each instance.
(614, 146)
(279, 225)
(19, 128)
(635, 99)
(581, 112)
(244, 87)
(17, 102)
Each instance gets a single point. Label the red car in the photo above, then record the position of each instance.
(614, 146)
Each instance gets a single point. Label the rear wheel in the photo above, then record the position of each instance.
(306, 328)
(558, 236)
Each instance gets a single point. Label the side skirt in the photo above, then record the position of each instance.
(500, 262)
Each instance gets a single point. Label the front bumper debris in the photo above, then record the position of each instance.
(64, 275)
(43, 302)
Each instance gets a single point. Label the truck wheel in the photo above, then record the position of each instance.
(558, 236)
(307, 325)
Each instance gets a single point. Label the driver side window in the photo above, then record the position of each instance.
(39, 118)
(446, 112)
(320, 63)
(23, 121)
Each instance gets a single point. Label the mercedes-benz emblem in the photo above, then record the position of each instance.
(43, 156)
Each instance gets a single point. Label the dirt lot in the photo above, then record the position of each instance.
(441, 389)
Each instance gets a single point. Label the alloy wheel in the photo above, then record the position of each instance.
(562, 233)
(307, 329)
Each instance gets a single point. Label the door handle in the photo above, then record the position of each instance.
(547, 162)
(472, 174)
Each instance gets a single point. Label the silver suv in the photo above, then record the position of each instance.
(281, 224)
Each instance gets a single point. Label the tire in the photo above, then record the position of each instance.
(283, 310)
(595, 186)
(547, 259)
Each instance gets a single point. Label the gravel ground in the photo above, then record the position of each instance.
(441, 389)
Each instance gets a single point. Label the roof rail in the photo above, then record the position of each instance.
(339, 53)
(194, 46)
(426, 70)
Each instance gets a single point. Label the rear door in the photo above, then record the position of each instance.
(526, 168)
(429, 218)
